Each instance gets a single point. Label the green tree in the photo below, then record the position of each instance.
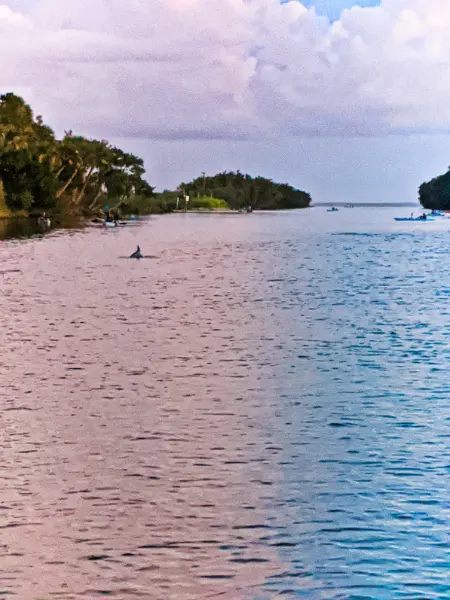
(240, 190)
(435, 194)
(77, 173)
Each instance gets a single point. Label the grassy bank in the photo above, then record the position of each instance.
(166, 202)
(207, 203)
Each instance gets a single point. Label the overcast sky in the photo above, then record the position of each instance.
(348, 102)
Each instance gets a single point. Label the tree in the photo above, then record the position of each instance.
(241, 191)
(435, 194)
(38, 170)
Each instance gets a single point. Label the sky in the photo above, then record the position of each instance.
(333, 8)
(348, 100)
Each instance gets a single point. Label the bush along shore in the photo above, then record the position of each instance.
(435, 194)
(77, 176)
(235, 191)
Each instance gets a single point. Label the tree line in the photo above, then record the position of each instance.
(435, 194)
(72, 175)
(80, 176)
(241, 191)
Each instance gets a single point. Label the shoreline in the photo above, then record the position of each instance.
(206, 211)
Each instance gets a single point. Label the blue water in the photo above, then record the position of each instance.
(357, 369)
(258, 411)
(363, 412)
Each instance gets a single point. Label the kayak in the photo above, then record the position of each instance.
(437, 214)
(332, 209)
(427, 220)
(116, 224)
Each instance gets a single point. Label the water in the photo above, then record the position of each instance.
(259, 410)
(19, 228)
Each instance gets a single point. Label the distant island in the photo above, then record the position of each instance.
(79, 176)
(435, 194)
(234, 191)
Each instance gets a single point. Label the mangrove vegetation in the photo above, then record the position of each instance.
(435, 194)
(79, 176)
(239, 191)
(73, 175)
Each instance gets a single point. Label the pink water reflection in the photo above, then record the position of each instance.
(134, 433)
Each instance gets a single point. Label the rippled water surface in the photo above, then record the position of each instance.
(259, 409)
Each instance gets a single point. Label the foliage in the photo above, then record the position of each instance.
(146, 205)
(79, 176)
(435, 194)
(75, 175)
(4, 211)
(166, 201)
(207, 203)
(240, 191)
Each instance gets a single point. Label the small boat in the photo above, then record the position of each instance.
(334, 209)
(436, 213)
(110, 224)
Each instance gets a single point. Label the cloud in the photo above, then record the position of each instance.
(230, 69)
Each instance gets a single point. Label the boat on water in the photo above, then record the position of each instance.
(333, 209)
(43, 220)
(436, 213)
(111, 224)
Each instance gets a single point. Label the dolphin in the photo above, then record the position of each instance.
(137, 254)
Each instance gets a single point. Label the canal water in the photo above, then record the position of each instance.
(258, 409)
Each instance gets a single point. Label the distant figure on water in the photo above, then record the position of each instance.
(44, 220)
(137, 253)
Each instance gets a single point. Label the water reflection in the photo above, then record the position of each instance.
(259, 410)
(133, 448)
(19, 228)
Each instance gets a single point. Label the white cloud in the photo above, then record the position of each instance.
(229, 68)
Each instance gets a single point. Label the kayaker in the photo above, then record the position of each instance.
(44, 220)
